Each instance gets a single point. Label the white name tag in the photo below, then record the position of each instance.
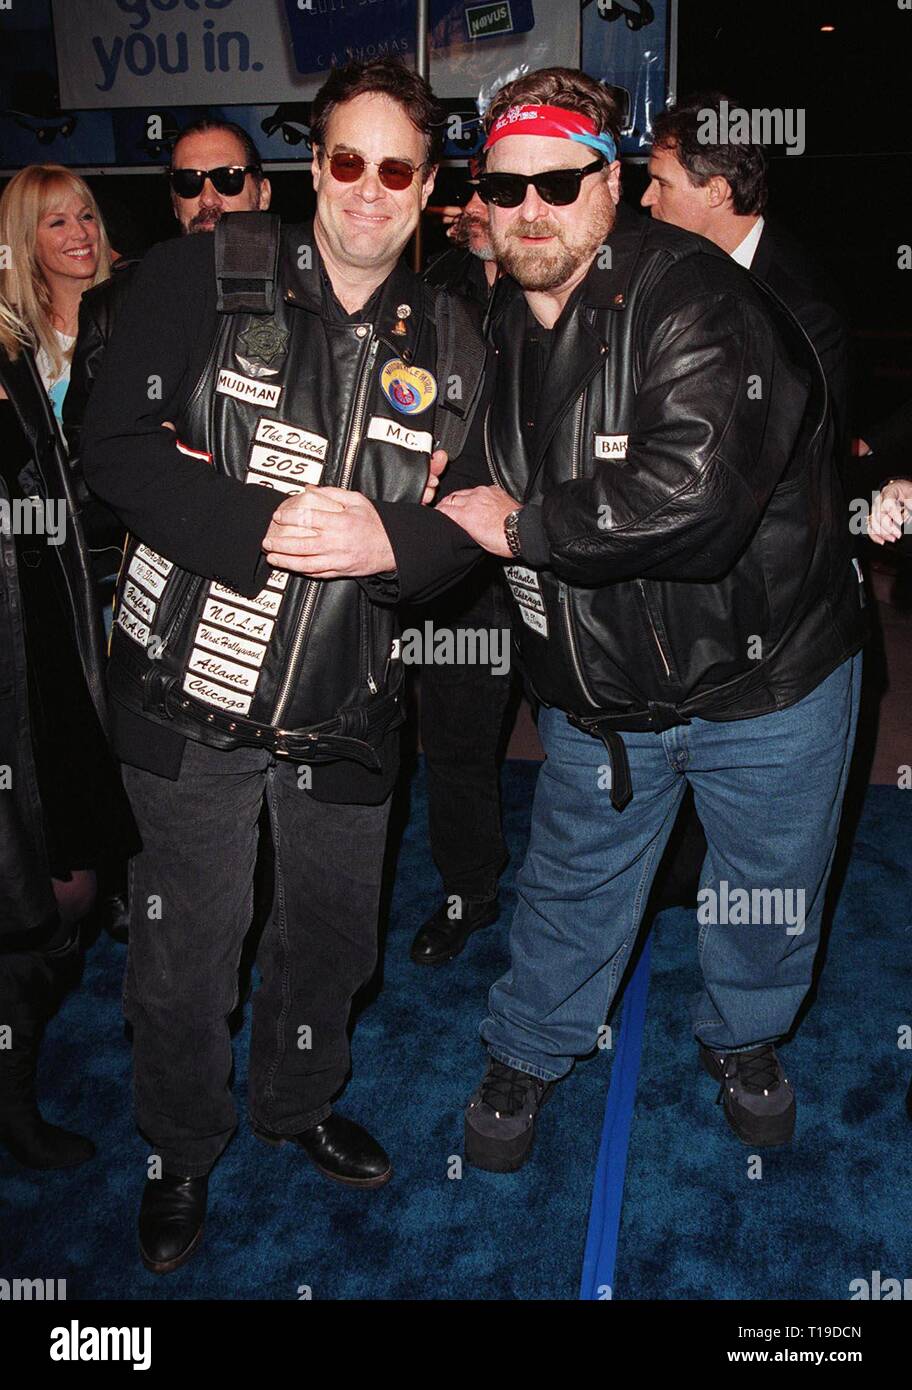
(293, 468)
(279, 434)
(264, 602)
(225, 672)
(152, 557)
(237, 619)
(201, 689)
(149, 578)
(247, 388)
(140, 603)
(278, 579)
(277, 484)
(525, 587)
(391, 432)
(611, 446)
(132, 626)
(227, 644)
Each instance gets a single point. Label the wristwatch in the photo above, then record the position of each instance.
(511, 531)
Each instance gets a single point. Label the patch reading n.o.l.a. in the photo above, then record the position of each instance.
(391, 432)
(611, 446)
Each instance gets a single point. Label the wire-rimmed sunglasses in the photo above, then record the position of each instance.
(559, 187)
(396, 174)
(227, 179)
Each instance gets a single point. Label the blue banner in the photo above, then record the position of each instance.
(626, 44)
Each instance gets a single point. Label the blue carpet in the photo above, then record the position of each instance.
(833, 1206)
(275, 1226)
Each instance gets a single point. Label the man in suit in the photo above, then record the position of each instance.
(719, 191)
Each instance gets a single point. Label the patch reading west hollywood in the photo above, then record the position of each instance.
(264, 344)
(244, 388)
(226, 644)
(611, 446)
(526, 590)
(233, 626)
(409, 389)
(391, 432)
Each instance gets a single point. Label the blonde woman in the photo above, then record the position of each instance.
(57, 248)
(62, 807)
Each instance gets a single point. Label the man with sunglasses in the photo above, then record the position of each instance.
(305, 371)
(686, 607)
(215, 168)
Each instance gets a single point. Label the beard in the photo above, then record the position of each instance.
(464, 227)
(205, 220)
(547, 268)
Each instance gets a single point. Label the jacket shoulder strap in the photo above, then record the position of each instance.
(246, 260)
(460, 355)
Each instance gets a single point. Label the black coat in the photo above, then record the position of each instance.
(26, 898)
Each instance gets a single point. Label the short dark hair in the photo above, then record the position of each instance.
(742, 165)
(387, 77)
(209, 123)
(566, 87)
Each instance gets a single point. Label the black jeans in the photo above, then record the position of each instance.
(463, 733)
(191, 901)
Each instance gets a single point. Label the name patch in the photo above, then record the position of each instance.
(279, 434)
(144, 574)
(226, 644)
(152, 557)
(264, 602)
(237, 619)
(140, 603)
(611, 446)
(291, 468)
(525, 587)
(201, 689)
(246, 388)
(217, 668)
(133, 627)
(391, 432)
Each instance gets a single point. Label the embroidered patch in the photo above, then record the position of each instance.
(244, 388)
(611, 446)
(146, 576)
(525, 587)
(132, 626)
(391, 432)
(409, 389)
(276, 463)
(210, 694)
(264, 602)
(279, 434)
(228, 673)
(141, 603)
(228, 644)
(237, 619)
(152, 557)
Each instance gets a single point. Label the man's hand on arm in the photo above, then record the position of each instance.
(482, 511)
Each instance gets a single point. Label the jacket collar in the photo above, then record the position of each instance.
(400, 311)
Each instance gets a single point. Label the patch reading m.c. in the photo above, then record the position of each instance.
(611, 446)
(391, 432)
(245, 388)
(525, 588)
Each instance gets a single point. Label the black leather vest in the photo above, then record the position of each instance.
(307, 667)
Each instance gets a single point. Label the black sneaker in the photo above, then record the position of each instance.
(500, 1118)
(755, 1093)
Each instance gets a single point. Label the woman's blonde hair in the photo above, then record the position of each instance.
(26, 199)
(13, 332)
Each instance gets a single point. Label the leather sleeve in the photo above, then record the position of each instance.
(718, 410)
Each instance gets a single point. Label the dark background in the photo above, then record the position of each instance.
(848, 197)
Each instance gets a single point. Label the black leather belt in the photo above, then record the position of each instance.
(607, 727)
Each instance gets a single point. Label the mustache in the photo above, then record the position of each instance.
(540, 227)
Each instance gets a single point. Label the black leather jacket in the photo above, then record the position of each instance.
(685, 546)
(26, 900)
(306, 668)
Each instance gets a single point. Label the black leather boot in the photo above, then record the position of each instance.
(171, 1219)
(28, 1137)
(341, 1149)
(441, 939)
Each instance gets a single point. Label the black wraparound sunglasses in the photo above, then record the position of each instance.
(227, 179)
(559, 187)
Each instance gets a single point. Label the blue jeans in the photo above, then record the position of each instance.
(769, 794)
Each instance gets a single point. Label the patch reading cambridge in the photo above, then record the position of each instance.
(409, 389)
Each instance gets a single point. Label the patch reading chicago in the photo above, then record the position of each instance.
(409, 389)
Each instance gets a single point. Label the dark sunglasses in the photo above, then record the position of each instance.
(559, 187)
(347, 167)
(227, 179)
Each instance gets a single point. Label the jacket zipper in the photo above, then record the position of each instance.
(655, 634)
(366, 641)
(564, 597)
(313, 590)
(487, 443)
